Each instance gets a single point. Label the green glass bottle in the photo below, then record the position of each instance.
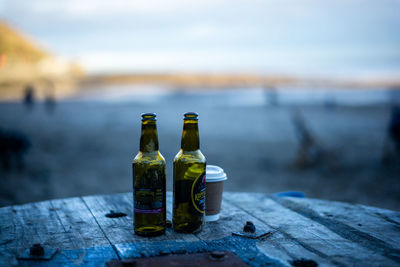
(189, 179)
(149, 182)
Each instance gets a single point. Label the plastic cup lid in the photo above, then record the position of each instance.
(215, 174)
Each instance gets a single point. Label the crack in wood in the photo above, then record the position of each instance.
(344, 230)
(111, 244)
(289, 236)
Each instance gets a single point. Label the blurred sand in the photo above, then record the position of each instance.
(86, 145)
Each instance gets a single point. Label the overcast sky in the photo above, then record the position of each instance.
(275, 36)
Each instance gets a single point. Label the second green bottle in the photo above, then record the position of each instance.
(189, 179)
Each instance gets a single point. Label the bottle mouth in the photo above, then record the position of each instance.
(191, 116)
(149, 116)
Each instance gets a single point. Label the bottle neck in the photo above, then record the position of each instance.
(190, 136)
(149, 137)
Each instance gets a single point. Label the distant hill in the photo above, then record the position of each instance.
(23, 62)
(18, 47)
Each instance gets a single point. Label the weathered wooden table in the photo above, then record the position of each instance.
(301, 231)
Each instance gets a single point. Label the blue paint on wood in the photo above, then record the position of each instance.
(291, 194)
(246, 249)
(96, 256)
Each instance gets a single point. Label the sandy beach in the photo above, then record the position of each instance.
(86, 144)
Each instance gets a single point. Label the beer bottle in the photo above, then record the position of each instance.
(189, 179)
(149, 182)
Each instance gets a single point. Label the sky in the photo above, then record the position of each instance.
(301, 37)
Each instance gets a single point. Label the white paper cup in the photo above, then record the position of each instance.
(215, 177)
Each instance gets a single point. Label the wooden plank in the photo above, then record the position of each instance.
(371, 222)
(45, 223)
(217, 234)
(120, 230)
(38, 223)
(326, 232)
(117, 230)
(276, 246)
(78, 223)
(88, 244)
(346, 231)
(232, 219)
(8, 238)
(7, 227)
(7, 257)
(96, 256)
(244, 248)
(387, 215)
(310, 234)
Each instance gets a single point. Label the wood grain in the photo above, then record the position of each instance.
(329, 233)
(368, 223)
(309, 232)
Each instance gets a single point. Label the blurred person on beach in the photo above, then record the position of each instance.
(29, 96)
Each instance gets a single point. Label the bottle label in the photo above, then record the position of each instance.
(148, 200)
(198, 193)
